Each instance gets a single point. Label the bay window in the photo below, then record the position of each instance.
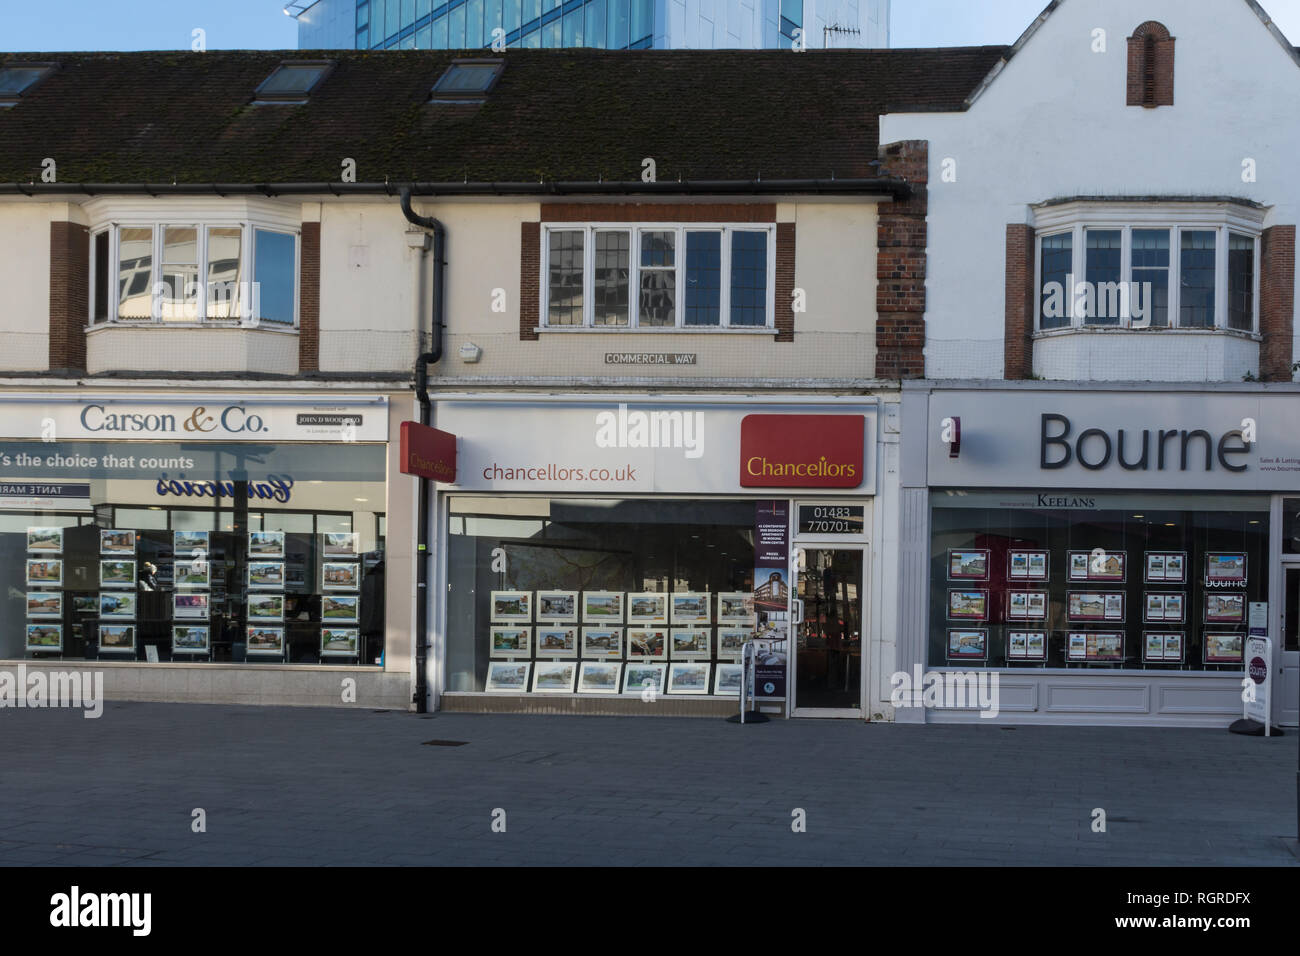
(1057, 253)
(1196, 286)
(1151, 270)
(658, 276)
(1241, 282)
(1109, 265)
(1103, 270)
(193, 273)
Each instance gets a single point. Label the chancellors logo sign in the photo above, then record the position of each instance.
(802, 451)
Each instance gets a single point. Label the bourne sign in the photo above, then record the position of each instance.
(203, 418)
(1174, 440)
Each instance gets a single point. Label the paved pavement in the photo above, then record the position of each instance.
(314, 786)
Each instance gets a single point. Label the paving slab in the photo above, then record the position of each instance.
(304, 786)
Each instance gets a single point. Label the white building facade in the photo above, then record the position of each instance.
(1110, 271)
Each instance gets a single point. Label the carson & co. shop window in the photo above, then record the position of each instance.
(1095, 581)
(279, 559)
(599, 596)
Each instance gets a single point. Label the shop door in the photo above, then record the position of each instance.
(1287, 688)
(828, 641)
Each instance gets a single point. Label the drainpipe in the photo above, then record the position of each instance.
(422, 363)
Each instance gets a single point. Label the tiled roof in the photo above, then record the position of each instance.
(555, 115)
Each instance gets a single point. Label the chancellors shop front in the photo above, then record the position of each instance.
(613, 555)
(210, 546)
(1101, 550)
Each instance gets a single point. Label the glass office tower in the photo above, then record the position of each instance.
(606, 24)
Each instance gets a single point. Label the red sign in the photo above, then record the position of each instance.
(801, 451)
(428, 452)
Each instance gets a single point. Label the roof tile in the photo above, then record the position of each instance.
(557, 115)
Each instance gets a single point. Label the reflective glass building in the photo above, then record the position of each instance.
(608, 24)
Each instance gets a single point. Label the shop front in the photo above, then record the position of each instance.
(210, 547)
(1106, 553)
(616, 555)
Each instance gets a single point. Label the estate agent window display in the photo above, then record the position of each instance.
(145, 594)
(599, 597)
(1135, 588)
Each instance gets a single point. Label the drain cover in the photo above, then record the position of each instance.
(445, 743)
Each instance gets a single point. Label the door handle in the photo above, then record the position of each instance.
(796, 610)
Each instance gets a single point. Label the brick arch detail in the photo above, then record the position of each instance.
(1151, 66)
(1152, 28)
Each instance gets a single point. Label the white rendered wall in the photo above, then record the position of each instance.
(1164, 356)
(368, 291)
(835, 265)
(25, 277)
(161, 348)
(1054, 123)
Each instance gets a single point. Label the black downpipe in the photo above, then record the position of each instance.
(422, 364)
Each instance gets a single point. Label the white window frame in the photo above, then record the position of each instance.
(247, 236)
(250, 242)
(110, 288)
(1223, 219)
(681, 229)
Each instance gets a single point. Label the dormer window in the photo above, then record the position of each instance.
(1151, 66)
(293, 81)
(18, 79)
(467, 80)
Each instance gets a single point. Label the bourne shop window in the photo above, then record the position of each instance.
(194, 273)
(658, 276)
(1141, 274)
(1090, 580)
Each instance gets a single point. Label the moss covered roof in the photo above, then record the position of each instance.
(554, 115)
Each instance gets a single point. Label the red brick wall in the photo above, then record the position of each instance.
(1151, 66)
(1018, 340)
(784, 319)
(309, 304)
(530, 264)
(69, 295)
(1277, 303)
(901, 265)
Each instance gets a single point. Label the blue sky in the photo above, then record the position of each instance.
(977, 22)
(253, 24)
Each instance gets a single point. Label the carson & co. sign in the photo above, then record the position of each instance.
(1182, 440)
(801, 451)
(200, 418)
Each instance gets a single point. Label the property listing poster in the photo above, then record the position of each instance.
(771, 598)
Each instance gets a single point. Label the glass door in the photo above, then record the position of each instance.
(1286, 684)
(828, 641)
